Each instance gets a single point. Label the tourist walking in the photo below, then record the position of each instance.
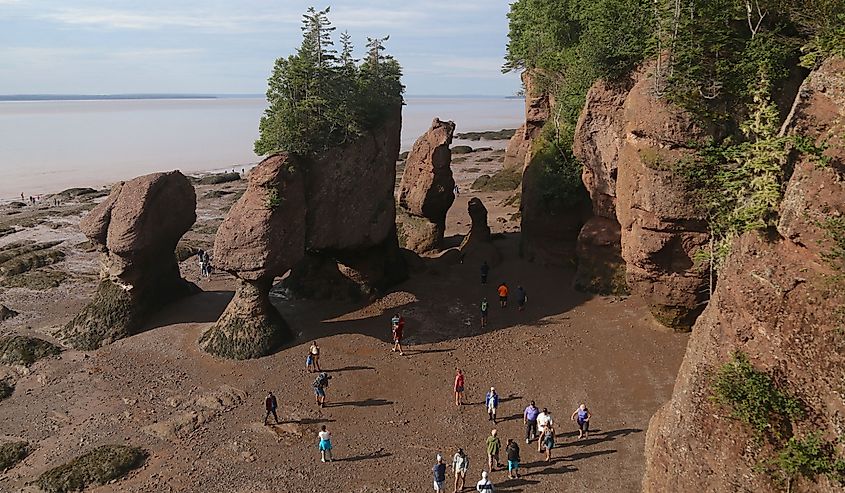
(270, 406)
(503, 294)
(492, 403)
(314, 354)
(485, 484)
(582, 416)
(325, 444)
(544, 419)
(512, 452)
(439, 471)
(521, 298)
(484, 309)
(529, 419)
(459, 387)
(206, 264)
(548, 440)
(485, 270)
(493, 447)
(398, 326)
(321, 383)
(201, 261)
(460, 462)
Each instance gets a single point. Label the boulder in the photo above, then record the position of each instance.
(262, 237)
(6, 313)
(662, 226)
(136, 229)
(778, 301)
(601, 269)
(427, 187)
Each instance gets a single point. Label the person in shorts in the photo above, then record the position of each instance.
(548, 440)
(439, 471)
(582, 416)
(398, 326)
(320, 385)
(460, 462)
(503, 295)
(512, 451)
(544, 419)
(493, 446)
(459, 387)
(314, 352)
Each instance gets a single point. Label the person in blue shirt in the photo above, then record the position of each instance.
(529, 418)
(492, 403)
(439, 471)
(582, 416)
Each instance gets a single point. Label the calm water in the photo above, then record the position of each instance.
(47, 146)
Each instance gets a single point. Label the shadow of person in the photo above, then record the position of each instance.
(364, 403)
(380, 453)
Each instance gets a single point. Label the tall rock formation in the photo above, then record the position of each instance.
(662, 225)
(780, 301)
(136, 230)
(351, 243)
(537, 109)
(549, 226)
(599, 135)
(262, 237)
(426, 191)
(477, 246)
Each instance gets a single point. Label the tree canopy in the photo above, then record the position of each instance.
(319, 99)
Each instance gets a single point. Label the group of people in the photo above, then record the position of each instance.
(204, 260)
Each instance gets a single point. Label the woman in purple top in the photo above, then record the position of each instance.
(582, 416)
(529, 418)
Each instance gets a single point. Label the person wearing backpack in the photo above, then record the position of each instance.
(484, 310)
(398, 326)
(485, 485)
(320, 386)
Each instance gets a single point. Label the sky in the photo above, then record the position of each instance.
(447, 47)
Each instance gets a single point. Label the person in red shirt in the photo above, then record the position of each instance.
(398, 324)
(459, 387)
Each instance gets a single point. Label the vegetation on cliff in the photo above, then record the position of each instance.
(319, 98)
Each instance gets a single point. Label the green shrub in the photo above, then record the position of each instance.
(810, 456)
(24, 350)
(753, 398)
(11, 453)
(99, 466)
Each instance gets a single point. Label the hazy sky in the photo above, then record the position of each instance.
(447, 47)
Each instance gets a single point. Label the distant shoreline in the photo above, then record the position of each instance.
(32, 98)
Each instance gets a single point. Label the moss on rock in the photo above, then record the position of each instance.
(25, 350)
(218, 178)
(677, 318)
(99, 466)
(11, 453)
(502, 181)
(37, 280)
(6, 389)
(109, 316)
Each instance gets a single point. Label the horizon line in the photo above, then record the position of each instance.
(24, 97)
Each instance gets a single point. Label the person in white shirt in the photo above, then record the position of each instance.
(543, 419)
(484, 485)
(325, 444)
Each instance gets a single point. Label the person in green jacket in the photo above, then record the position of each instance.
(493, 446)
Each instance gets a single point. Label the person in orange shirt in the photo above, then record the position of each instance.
(503, 295)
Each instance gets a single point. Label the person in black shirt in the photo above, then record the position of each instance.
(270, 406)
(512, 451)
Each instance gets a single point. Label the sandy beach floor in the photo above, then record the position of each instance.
(199, 417)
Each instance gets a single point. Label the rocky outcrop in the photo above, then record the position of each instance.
(537, 109)
(426, 191)
(6, 313)
(779, 301)
(136, 229)
(477, 246)
(599, 135)
(262, 237)
(350, 239)
(662, 225)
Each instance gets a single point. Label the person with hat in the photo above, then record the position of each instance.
(492, 403)
(439, 471)
(460, 462)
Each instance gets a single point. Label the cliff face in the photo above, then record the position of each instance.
(599, 135)
(780, 301)
(537, 108)
(662, 226)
